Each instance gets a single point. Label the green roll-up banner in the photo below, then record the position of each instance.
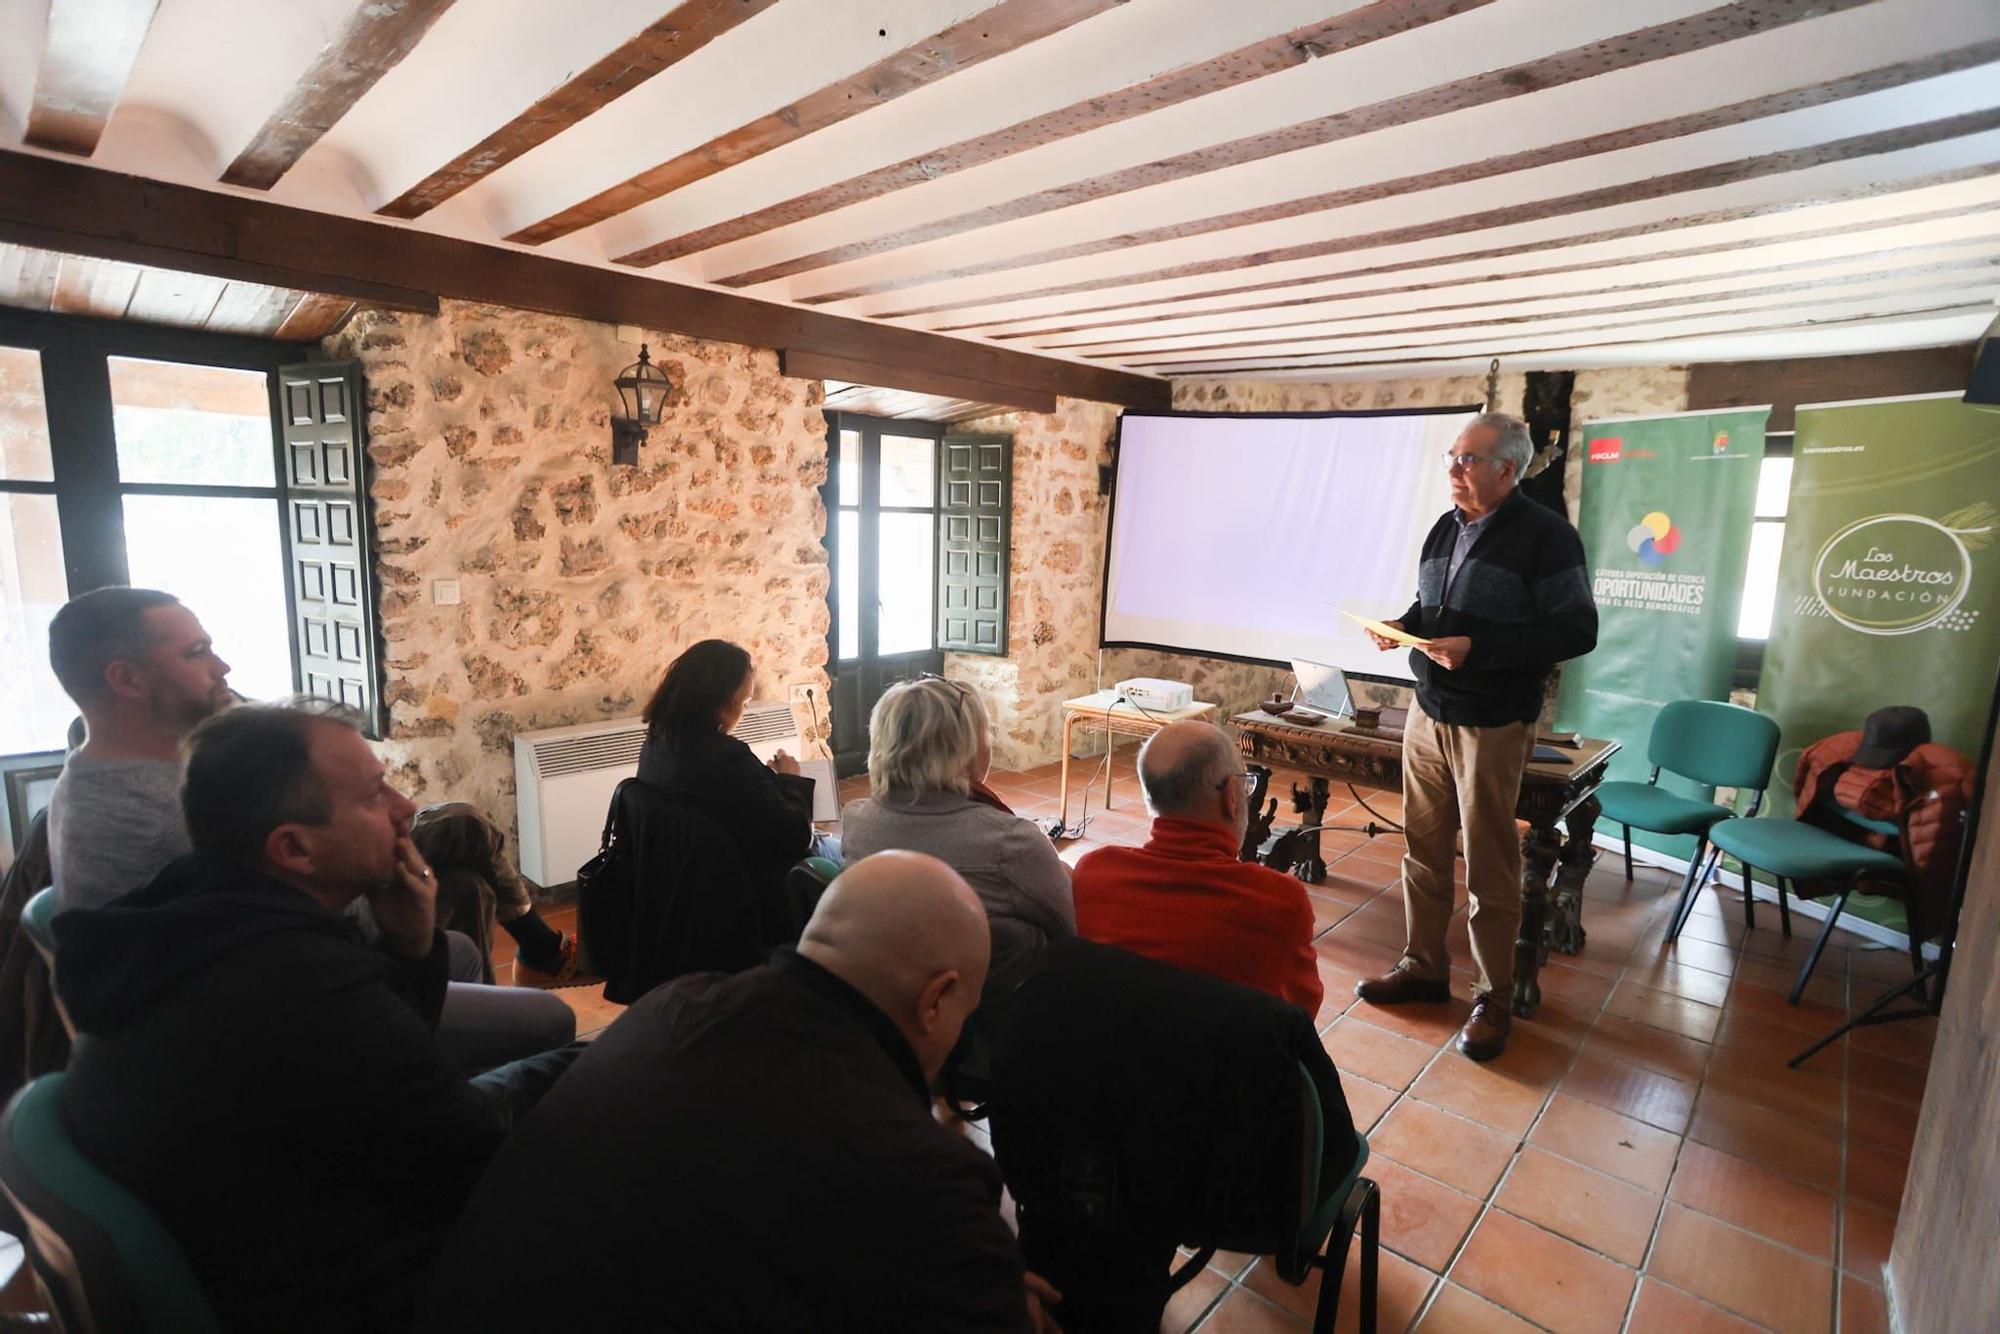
(1889, 585)
(1666, 512)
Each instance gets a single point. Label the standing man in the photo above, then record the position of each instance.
(1502, 596)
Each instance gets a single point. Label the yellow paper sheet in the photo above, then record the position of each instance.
(1389, 632)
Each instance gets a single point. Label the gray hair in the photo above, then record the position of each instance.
(922, 736)
(1510, 439)
(1184, 788)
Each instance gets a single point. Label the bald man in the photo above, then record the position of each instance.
(758, 1151)
(1184, 898)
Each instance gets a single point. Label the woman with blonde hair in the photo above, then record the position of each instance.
(929, 749)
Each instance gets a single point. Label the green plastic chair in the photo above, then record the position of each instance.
(104, 1260)
(1792, 850)
(38, 916)
(1355, 1204)
(1714, 744)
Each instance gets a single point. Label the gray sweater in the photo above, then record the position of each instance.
(1010, 864)
(113, 826)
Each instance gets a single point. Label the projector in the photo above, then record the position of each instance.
(1149, 692)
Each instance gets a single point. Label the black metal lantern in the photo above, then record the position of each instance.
(642, 390)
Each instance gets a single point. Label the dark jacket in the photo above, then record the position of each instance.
(270, 1086)
(753, 1152)
(33, 1040)
(768, 815)
(1523, 598)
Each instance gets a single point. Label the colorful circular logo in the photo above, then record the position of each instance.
(1654, 539)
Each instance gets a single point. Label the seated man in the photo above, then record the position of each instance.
(144, 672)
(757, 1151)
(249, 1068)
(1184, 898)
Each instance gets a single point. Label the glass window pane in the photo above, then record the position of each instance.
(194, 425)
(904, 573)
(1774, 487)
(34, 711)
(232, 579)
(1760, 580)
(847, 598)
(848, 478)
(24, 418)
(907, 472)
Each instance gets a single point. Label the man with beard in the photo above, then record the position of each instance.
(144, 673)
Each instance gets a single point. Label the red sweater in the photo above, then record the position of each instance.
(1184, 899)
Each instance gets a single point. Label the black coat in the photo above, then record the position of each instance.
(754, 1152)
(767, 815)
(269, 1085)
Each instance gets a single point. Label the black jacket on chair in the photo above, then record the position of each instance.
(672, 899)
(767, 815)
(1137, 1105)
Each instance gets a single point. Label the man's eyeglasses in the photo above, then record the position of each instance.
(1243, 774)
(1464, 462)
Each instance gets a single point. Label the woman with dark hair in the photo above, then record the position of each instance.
(766, 811)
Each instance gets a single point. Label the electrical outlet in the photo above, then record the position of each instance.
(444, 592)
(806, 693)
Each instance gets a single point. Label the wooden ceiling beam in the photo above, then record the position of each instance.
(803, 365)
(58, 205)
(1554, 350)
(1273, 55)
(88, 52)
(1144, 312)
(1657, 187)
(1003, 28)
(674, 36)
(1571, 150)
(377, 37)
(1696, 32)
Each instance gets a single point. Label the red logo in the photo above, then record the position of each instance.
(1606, 450)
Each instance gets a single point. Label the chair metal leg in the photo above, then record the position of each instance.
(1749, 898)
(1826, 929)
(1684, 905)
(1784, 906)
(1628, 852)
(1362, 1212)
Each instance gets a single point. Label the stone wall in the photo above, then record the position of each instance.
(489, 431)
(1597, 393)
(1055, 578)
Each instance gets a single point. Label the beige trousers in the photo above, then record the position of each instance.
(1469, 779)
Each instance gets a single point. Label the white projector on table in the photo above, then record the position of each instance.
(1150, 692)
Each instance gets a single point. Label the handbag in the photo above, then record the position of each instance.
(604, 891)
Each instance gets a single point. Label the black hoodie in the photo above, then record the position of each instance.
(271, 1087)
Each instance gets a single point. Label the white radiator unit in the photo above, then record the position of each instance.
(564, 777)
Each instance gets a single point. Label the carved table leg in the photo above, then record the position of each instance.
(1538, 859)
(1310, 803)
(1566, 924)
(1259, 826)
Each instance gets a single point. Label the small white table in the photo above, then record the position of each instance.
(1103, 709)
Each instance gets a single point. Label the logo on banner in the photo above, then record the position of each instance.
(1896, 574)
(1653, 539)
(1606, 450)
(1721, 445)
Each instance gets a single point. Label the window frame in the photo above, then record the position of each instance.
(75, 353)
(1750, 652)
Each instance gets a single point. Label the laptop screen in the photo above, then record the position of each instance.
(1323, 688)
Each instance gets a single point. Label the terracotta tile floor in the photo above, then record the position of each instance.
(1640, 1159)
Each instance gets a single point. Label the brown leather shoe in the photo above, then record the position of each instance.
(1399, 987)
(1485, 1033)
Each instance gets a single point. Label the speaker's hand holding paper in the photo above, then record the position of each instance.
(1386, 634)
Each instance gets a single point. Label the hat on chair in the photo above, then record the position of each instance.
(1890, 734)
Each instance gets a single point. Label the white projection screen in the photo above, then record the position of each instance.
(1240, 535)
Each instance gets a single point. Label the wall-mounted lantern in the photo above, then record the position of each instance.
(642, 391)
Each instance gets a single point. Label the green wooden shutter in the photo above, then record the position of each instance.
(334, 595)
(975, 500)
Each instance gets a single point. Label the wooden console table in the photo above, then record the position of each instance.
(1551, 914)
(1103, 710)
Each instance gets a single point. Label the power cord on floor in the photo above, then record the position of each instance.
(1053, 826)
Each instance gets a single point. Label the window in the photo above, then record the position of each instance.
(1767, 539)
(150, 456)
(34, 712)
